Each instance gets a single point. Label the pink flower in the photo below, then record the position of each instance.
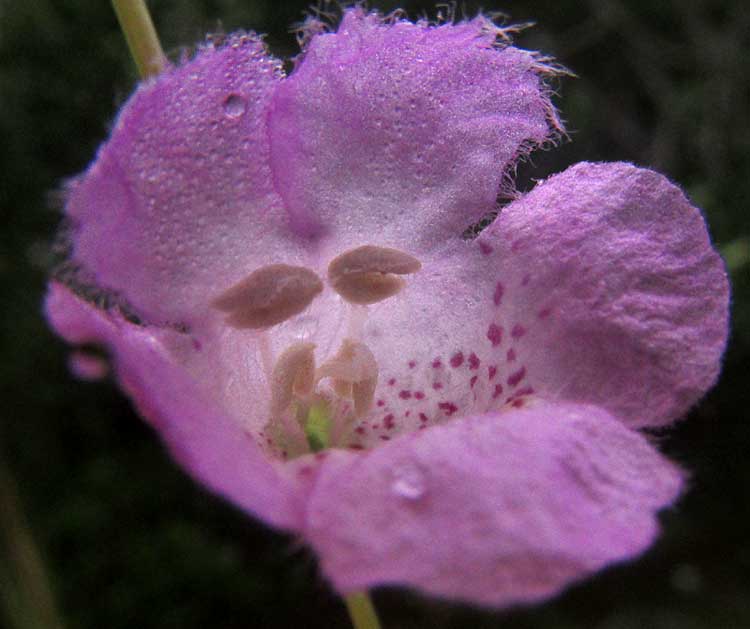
(472, 429)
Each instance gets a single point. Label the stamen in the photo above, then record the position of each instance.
(293, 375)
(367, 274)
(342, 388)
(363, 393)
(268, 296)
(266, 355)
(356, 322)
(353, 364)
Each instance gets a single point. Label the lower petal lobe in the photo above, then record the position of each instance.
(196, 427)
(600, 286)
(620, 299)
(494, 509)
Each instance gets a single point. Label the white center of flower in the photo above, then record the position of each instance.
(312, 408)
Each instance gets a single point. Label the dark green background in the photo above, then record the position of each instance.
(128, 541)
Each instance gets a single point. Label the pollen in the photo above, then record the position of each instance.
(354, 372)
(369, 274)
(293, 375)
(269, 296)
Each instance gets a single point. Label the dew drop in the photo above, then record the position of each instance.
(234, 106)
(408, 483)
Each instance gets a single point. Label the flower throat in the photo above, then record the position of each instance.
(313, 407)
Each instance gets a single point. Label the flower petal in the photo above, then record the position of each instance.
(494, 509)
(385, 131)
(619, 297)
(600, 286)
(179, 204)
(198, 432)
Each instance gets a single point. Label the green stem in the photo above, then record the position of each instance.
(25, 592)
(141, 36)
(362, 611)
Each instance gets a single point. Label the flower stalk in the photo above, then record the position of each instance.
(141, 36)
(26, 595)
(362, 611)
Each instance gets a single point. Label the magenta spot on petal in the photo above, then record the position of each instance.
(197, 345)
(516, 245)
(457, 359)
(497, 296)
(385, 438)
(474, 361)
(448, 408)
(437, 385)
(422, 417)
(516, 377)
(388, 422)
(419, 395)
(485, 248)
(518, 331)
(491, 371)
(407, 413)
(356, 446)
(526, 279)
(473, 381)
(495, 334)
(437, 363)
(404, 394)
(544, 313)
(421, 427)
(375, 426)
(518, 403)
(381, 402)
(391, 382)
(510, 356)
(523, 391)
(305, 470)
(359, 430)
(412, 364)
(497, 392)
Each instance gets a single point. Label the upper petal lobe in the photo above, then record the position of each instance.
(395, 133)
(179, 204)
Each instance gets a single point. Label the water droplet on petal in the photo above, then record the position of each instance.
(234, 106)
(408, 482)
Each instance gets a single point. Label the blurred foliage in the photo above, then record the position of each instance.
(129, 541)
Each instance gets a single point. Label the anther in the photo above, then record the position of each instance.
(293, 375)
(269, 295)
(368, 274)
(354, 373)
